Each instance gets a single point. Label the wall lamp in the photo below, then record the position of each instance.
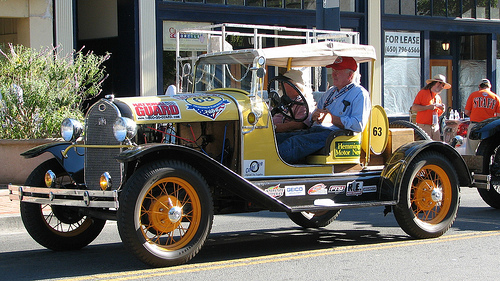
(445, 45)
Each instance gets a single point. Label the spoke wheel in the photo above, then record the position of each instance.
(314, 219)
(57, 227)
(429, 197)
(165, 213)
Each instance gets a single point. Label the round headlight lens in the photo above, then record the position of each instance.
(71, 129)
(124, 128)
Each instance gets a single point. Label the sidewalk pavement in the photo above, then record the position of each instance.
(10, 218)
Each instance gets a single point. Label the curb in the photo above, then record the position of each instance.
(10, 219)
(11, 223)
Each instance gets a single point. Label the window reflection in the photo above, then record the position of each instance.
(408, 7)
(424, 8)
(345, 5)
(254, 3)
(293, 4)
(480, 9)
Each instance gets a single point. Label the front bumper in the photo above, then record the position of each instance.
(64, 197)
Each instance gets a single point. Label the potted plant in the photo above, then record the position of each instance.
(38, 89)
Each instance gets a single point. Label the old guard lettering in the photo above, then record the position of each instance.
(157, 110)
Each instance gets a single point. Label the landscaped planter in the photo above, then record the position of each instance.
(13, 167)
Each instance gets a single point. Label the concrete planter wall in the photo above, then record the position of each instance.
(13, 167)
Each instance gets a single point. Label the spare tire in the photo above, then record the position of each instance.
(419, 134)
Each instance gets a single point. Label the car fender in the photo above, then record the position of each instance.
(485, 129)
(73, 163)
(214, 172)
(392, 174)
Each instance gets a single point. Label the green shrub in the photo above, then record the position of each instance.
(38, 89)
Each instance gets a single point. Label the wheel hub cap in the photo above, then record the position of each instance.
(437, 195)
(175, 214)
(428, 195)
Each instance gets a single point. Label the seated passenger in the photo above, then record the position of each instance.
(284, 123)
(346, 105)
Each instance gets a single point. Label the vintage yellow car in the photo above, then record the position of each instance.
(163, 166)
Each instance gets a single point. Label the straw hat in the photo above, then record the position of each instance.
(439, 78)
(295, 75)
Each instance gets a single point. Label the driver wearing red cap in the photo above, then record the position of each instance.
(346, 105)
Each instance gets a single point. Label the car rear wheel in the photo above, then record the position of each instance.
(429, 196)
(57, 228)
(314, 219)
(491, 163)
(165, 213)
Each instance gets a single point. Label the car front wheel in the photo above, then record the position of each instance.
(429, 196)
(165, 213)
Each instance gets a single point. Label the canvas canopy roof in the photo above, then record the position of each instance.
(303, 55)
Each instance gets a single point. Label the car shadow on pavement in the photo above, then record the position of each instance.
(113, 258)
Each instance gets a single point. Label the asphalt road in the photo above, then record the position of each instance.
(361, 244)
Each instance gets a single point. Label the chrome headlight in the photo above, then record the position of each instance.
(71, 129)
(124, 128)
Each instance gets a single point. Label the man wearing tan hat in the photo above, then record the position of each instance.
(282, 122)
(429, 106)
(346, 105)
(481, 105)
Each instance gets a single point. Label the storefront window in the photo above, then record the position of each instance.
(391, 7)
(348, 6)
(439, 8)
(254, 3)
(472, 65)
(293, 4)
(468, 9)
(401, 71)
(482, 10)
(274, 3)
(498, 64)
(494, 10)
(401, 84)
(408, 7)
(424, 7)
(309, 4)
(454, 8)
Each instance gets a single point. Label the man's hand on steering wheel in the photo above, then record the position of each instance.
(284, 103)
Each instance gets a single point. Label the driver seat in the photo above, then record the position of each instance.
(341, 147)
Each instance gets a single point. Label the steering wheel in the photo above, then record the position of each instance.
(283, 102)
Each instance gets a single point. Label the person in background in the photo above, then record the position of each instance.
(429, 106)
(346, 105)
(283, 123)
(481, 105)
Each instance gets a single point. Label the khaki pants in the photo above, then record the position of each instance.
(432, 131)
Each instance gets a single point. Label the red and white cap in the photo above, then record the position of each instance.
(344, 63)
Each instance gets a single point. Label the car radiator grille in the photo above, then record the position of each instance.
(99, 131)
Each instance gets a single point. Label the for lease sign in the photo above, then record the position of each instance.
(402, 44)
